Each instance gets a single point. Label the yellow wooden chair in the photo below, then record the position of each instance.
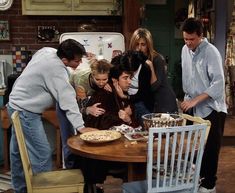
(61, 181)
(197, 120)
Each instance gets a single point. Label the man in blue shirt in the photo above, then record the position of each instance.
(204, 88)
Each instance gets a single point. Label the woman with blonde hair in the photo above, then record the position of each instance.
(88, 80)
(85, 82)
(163, 95)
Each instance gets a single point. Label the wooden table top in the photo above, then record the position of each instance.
(121, 150)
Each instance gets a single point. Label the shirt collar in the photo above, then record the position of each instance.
(200, 46)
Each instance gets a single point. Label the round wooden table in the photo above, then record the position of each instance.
(120, 150)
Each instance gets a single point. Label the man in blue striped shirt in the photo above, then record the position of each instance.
(204, 88)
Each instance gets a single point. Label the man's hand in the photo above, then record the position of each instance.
(95, 110)
(188, 104)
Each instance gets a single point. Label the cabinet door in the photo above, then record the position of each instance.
(101, 7)
(46, 7)
(71, 7)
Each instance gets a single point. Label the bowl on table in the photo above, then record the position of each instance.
(161, 120)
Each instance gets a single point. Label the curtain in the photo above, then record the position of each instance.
(230, 66)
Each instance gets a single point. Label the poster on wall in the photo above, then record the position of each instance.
(4, 31)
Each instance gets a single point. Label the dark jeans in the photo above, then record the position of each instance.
(66, 131)
(212, 149)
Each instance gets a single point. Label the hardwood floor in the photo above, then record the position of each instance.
(226, 169)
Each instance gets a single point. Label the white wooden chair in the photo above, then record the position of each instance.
(61, 181)
(174, 160)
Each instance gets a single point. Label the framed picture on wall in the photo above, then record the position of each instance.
(4, 30)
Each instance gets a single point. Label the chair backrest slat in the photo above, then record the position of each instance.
(174, 145)
(175, 163)
(165, 165)
(23, 150)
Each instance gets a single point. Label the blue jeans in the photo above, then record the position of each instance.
(39, 150)
(67, 131)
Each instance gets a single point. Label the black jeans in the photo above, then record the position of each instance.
(212, 149)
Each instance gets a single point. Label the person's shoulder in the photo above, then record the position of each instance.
(47, 50)
(158, 57)
(210, 48)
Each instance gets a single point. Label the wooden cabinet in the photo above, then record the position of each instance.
(71, 7)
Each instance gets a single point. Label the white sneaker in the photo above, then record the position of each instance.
(205, 190)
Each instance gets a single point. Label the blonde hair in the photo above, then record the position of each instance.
(146, 35)
(100, 66)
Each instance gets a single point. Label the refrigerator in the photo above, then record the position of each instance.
(105, 45)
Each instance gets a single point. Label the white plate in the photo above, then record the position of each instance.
(125, 129)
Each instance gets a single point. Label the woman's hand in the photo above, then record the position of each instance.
(108, 88)
(149, 63)
(119, 90)
(153, 74)
(124, 116)
(95, 110)
(128, 110)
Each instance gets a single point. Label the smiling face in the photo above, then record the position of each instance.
(100, 79)
(192, 40)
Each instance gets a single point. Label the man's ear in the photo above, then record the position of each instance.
(65, 61)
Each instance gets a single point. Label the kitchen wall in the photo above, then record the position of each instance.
(23, 29)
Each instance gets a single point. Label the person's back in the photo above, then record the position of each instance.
(41, 72)
(164, 96)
